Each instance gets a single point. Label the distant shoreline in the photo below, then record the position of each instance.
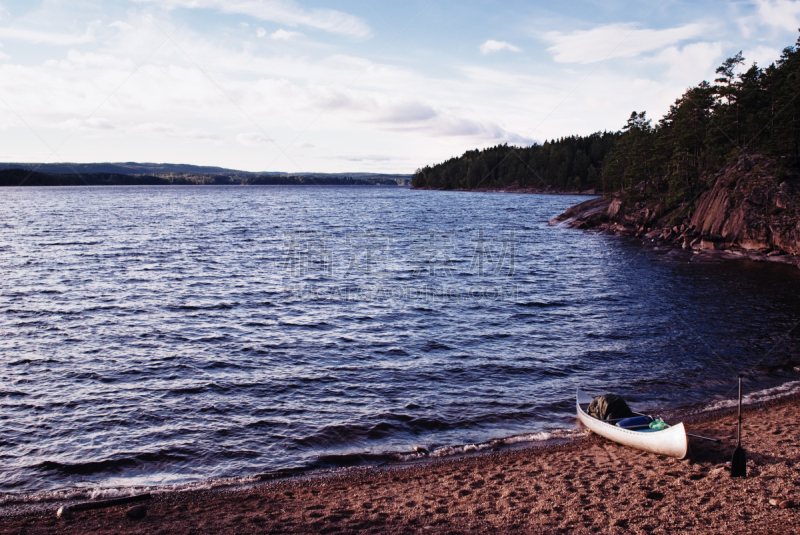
(19, 177)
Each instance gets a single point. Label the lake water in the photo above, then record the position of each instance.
(169, 335)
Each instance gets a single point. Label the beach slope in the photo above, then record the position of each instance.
(588, 485)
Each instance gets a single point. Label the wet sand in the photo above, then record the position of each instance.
(589, 485)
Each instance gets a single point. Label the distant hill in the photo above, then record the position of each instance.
(120, 168)
(132, 173)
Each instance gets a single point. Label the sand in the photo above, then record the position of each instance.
(589, 485)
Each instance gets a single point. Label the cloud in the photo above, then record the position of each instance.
(76, 60)
(370, 158)
(252, 139)
(93, 123)
(283, 12)
(496, 46)
(615, 41)
(48, 38)
(692, 63)
(763, 56)
(261, 32)
(779, 13)
(454, 126)
(283, 35)
(374, 107)
(121, 25)
(171, 130)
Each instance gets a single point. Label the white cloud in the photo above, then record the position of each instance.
(616, 40)
(93, 123)
(121, 25)
(283, 35)
(261, 32)
(49, 38)
(283, 12)
(779, 13)
(76, 60)
(252, 139)
(171, 130)
(370, 158)
(763, 56)
(496, 46)
(693, 63)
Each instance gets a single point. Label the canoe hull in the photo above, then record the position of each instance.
(671, 441)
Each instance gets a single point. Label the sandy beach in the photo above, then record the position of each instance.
(588, 485)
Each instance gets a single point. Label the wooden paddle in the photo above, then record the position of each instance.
(739, 460)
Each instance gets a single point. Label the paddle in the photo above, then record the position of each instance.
(704, 438)
(739, 460)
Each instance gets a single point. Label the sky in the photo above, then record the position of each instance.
(344, 86)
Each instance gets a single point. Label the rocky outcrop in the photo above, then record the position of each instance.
(748, 210)
(588, 214)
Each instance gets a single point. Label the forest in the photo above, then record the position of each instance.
(567, 164)
(746, 110)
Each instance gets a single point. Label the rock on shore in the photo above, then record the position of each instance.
(748, 212)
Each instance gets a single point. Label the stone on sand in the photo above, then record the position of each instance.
(136, 512)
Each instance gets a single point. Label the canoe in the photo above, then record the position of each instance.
(670, 441)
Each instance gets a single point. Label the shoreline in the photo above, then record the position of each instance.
(527, 191)
(598, 216)
(592, 215)
(34, 501)
(457, 493)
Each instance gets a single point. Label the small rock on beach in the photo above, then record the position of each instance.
(136, 512)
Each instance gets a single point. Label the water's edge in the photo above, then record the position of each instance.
(16, 504)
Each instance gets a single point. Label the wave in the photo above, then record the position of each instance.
(217, 306)
(109, 492)
(759, 396)
(326, 462)
(114, 465)
(542, 304)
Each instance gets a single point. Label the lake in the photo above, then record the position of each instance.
(173, 335)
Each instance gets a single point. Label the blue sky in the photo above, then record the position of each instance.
(301, 86)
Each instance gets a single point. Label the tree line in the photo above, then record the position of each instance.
(572, 163)
(24, 177)
(671, 162)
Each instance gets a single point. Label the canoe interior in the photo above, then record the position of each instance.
(585, 406)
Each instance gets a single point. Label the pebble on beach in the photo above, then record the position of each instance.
(781, 503)
(136, 512)
(63, 512)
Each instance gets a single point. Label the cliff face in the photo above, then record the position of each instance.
(748, 209)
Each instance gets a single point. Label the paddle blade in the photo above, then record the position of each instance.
(739, 463)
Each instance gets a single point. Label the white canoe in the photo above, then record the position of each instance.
(671, 441)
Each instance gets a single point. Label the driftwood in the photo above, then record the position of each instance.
(109, 503)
